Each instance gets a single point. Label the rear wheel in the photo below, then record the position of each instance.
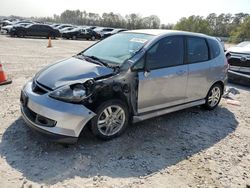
(213, 97)
(111, 119)
(74, 37)
(93, 38)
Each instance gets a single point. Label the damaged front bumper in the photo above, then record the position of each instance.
(60, 121)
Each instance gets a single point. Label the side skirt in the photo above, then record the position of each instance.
(160, 112)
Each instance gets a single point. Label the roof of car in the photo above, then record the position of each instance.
(158, 32)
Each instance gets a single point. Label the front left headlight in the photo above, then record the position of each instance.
(73, 93)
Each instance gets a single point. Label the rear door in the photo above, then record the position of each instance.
(165, 84)
(198, 68)
(89, 33)
(44, 31)
(82, 33)
(33, 30)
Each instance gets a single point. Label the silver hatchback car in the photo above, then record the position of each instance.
(128, 77)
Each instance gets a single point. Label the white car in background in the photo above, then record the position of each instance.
(102, 30)
(239, 61)
(7, 28)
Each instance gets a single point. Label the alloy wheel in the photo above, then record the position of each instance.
(111, 120)
(214, 96)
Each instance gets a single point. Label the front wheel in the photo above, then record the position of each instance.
(111, 119)
(20, 34)
(213, 97)
(93, 38)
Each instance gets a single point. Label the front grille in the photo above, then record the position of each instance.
(239, 59)
(36, 88)
(236, 61)
(23, 98)
(38, 119)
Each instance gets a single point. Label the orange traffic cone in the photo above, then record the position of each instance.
(49, 43)
(3, 77)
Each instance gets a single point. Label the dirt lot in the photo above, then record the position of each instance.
(190, 148)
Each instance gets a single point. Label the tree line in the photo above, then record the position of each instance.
(130, 21)
(236, 27)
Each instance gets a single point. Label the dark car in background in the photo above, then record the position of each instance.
(81, 33)
(37, 30)
(108, 34)
(239, 61)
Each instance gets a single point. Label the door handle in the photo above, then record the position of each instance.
(146, 74)
(180, 72)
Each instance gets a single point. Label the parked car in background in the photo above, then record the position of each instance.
(133, 75)
(68, 29)
(80, 33)
(6, 22)
(101, 31)
(222, 43)
(37, 30)
(239, 61)
(54, 25)
(107, 34)
(62, 26)
(91, 27)
(7, 28)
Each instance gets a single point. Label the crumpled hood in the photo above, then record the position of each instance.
(71, 70)
(238, 49)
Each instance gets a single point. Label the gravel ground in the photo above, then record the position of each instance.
(189, 148)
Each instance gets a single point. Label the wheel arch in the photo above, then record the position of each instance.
(103, 96)
(221, 83)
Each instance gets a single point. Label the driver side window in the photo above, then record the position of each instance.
(166, 53)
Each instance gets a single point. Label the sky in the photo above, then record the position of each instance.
(167, 11)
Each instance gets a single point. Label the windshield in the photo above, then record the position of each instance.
(117, 48)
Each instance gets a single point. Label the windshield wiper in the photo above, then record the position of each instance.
(96, 60)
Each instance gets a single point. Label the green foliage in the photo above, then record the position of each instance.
(194, 24)
(242, 32)
(131, 21)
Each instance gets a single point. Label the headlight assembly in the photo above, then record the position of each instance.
(73, 93)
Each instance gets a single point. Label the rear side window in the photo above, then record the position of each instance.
(44, 27)
(34, 26)
(214, 48)
(197, 50)
(165, 53)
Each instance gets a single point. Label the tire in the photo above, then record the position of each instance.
(74, 37)
(93, 38)
(111, 119)
(20, 34)
(212, 100)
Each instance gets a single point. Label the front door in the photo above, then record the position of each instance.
(165, 83)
